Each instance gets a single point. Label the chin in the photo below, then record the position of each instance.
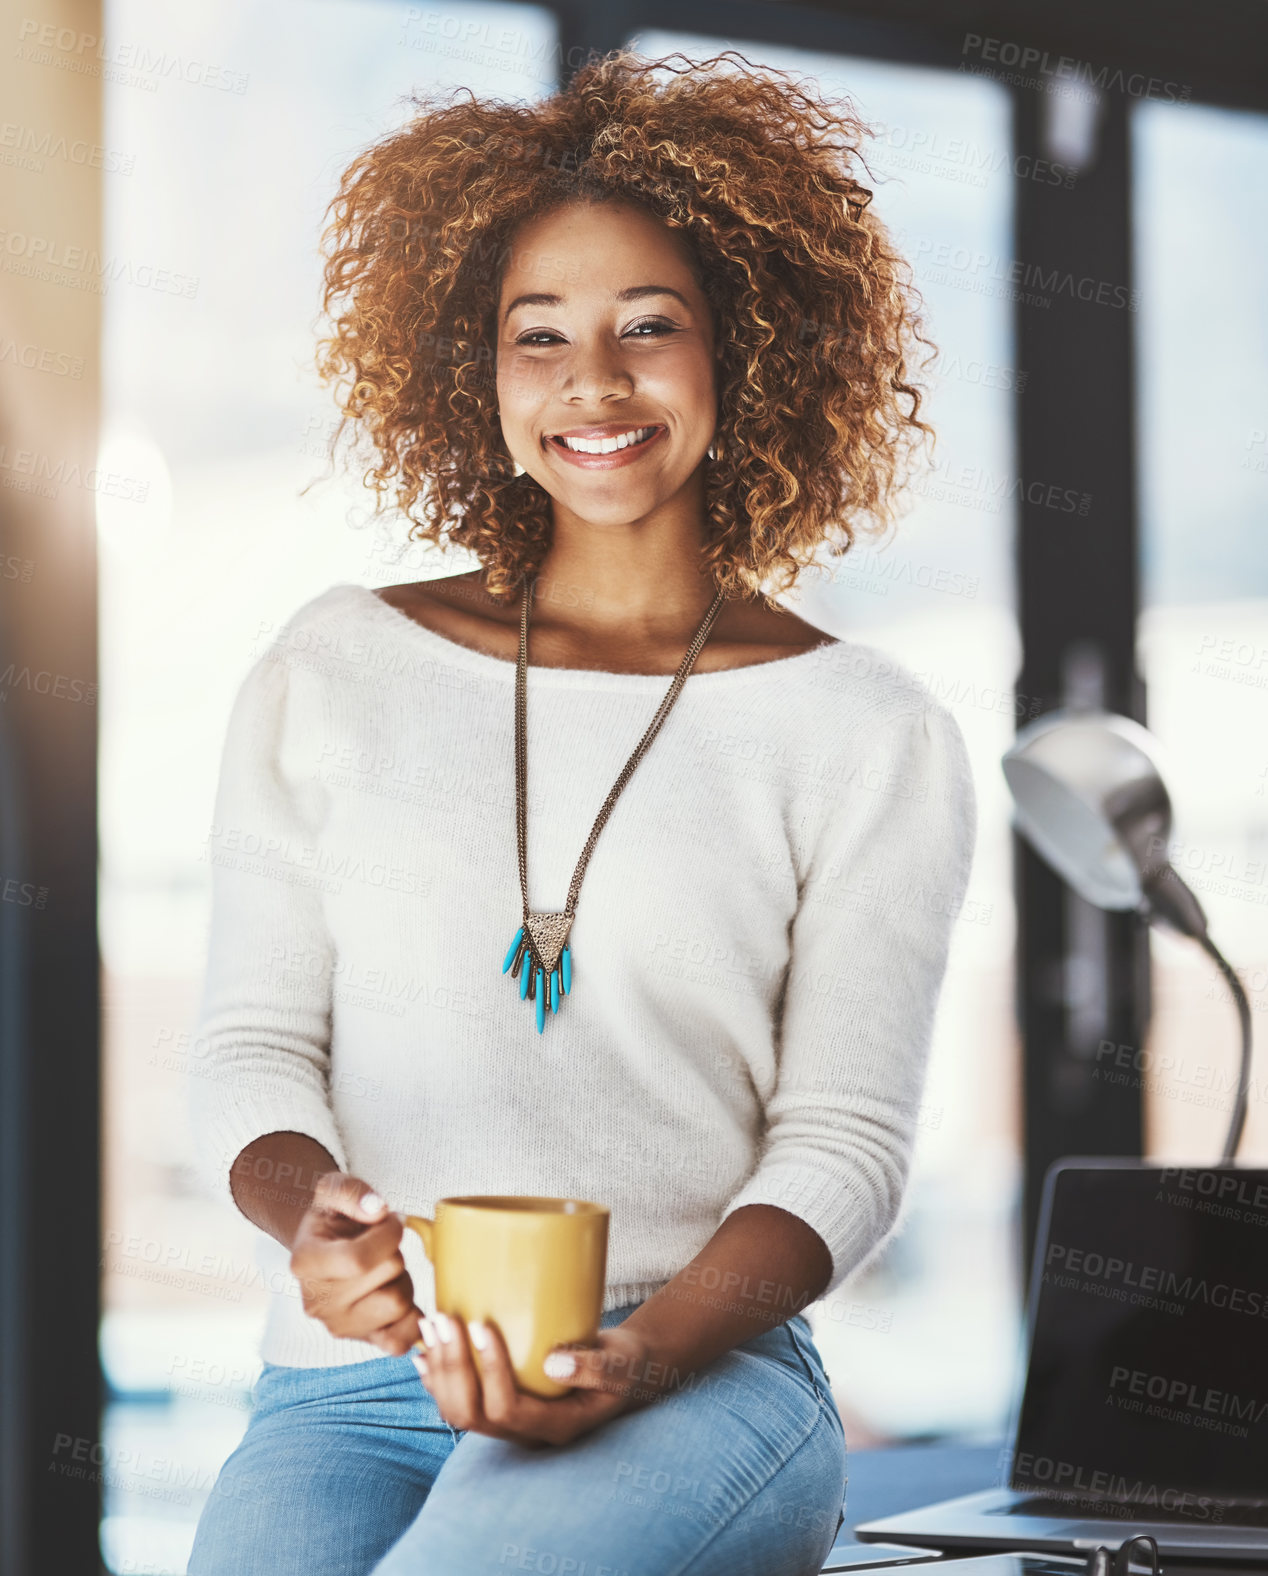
(617, 508)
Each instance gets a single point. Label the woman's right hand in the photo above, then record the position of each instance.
(346, 1255)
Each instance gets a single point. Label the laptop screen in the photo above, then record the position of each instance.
(1148, 1374)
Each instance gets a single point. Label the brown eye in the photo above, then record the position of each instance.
(658, 326)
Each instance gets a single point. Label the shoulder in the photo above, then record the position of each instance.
(329, 637)
(292, 659)
(888, 762)
(848, 687)
(339, 606)
(873, 719)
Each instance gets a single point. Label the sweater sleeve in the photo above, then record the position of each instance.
(262, 1033)
(869, 944)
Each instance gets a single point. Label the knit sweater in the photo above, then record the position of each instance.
(758, 947)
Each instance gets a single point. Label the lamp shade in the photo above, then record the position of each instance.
(1090, 798)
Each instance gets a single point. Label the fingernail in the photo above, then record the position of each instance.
(479, 1334)
(560, 1365)
(444, 1327)
(420, 1363)
(429, 1332)
(372, 1204)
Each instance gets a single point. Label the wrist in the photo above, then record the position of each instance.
(666, 1358)
(274, 1179)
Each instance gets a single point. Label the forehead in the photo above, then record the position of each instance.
(595, 249)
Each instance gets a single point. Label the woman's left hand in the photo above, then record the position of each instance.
(611, 1376)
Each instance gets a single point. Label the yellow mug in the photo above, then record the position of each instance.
(535, 1267)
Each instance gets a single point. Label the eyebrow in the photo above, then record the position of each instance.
(633, 293)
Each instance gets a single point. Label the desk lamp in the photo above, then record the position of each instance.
(1091, 801)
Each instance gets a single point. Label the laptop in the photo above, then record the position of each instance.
(1145, 1407)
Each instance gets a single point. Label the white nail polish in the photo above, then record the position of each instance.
(479, 1334)
(372, 1204)
(429, 1332)
(420, 1363)
(444, 1327)
(560, 1365)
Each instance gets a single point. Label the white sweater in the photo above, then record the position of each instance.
(758, 947)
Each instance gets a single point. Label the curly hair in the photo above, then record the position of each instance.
(813, 307)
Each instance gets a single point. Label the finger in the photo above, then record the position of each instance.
(382, 1307)
(526, 1418)
(334, 1273)
(616, 1363)
(397, 1339)
(584, 1367)
(334, 1303)
(501, 1396)
(338, 1193)
(385, 1304)
(385, 1273)
(451, 1373)
(339, 1249)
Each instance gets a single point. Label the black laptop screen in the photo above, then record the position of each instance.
(1148, 1374)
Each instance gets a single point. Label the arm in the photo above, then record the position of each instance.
(264, 1130)
(263, 1028)
(869, 947)
(760, 1267)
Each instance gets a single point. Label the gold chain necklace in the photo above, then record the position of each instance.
(539, 955)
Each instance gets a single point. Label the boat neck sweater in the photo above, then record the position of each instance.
(757, 953)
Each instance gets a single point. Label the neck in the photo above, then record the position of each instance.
(644, 578)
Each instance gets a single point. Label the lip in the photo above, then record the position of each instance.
(605, 462)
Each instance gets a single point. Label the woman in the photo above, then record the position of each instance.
(641, 349)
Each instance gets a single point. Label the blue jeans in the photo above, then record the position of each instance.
(350, 1470)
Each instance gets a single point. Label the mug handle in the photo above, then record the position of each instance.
(424, 1228)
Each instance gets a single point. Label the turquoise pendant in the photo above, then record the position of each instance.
(540, 958)
(515, 947)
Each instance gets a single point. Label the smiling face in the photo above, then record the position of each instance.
(606, 366)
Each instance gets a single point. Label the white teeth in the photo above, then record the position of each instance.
(607, 445)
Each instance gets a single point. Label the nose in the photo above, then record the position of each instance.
(597, 372)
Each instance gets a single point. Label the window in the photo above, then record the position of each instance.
(1202, 372)
(228, 151)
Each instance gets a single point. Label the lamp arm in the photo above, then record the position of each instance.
(1238, 1120)
(1168, 898)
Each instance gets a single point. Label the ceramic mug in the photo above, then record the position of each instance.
(535, 1267)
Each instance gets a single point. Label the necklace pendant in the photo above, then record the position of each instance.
(541, 959)
(548, 935)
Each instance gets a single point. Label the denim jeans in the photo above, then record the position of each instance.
(350, 1470)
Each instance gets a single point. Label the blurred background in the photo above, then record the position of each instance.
(1084, 212)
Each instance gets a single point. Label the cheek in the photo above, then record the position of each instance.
(688, 383)
(521, 384)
